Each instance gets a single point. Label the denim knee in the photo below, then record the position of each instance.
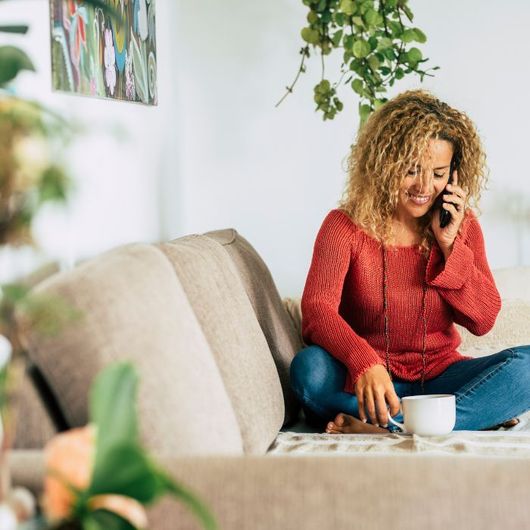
(521, 353)
(307, 369)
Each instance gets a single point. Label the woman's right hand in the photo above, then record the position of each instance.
(374, 389)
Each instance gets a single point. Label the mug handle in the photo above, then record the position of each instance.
(400, 425)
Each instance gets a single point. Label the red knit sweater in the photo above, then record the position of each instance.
(342, 301)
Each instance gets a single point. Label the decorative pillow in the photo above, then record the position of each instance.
(512, 328)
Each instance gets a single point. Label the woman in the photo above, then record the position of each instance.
(387, 282)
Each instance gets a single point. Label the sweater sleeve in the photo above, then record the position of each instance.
(465, 280)
(321, 322)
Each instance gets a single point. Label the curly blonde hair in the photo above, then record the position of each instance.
(394, 139)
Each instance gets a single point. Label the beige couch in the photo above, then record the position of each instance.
(212, 340)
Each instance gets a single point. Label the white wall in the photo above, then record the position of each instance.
(273, 173)
(216, 152)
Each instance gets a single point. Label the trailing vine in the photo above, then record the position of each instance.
(375, 43)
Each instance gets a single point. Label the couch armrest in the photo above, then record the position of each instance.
(264, 492)
(27, 468)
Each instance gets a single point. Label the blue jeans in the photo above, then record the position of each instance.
(488, 390)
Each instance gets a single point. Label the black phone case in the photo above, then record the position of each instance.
(445, 215)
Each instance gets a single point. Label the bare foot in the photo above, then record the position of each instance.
(344, 424)
(511, 423)
(507, 424)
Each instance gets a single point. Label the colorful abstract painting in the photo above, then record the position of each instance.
(98, 55)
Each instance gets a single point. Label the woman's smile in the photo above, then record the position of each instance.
(418, 200)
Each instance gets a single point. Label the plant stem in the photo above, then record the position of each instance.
(305, 53)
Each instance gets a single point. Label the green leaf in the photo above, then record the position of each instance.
(112, 406)
(358, 21)
(408, 12)
(361, 48)
(408, 35)
(312, 17)
(336, 37)
(348, 42)
(14, 292)
(12, 61)
(372, 41)
(389, 53)
(364, 112)
(347, 7)
(374, 63)
(338, 103)
(124, 469)
(324, 86)
(414, 55)
(395, 28)
(358, 86)
(310, 35)
(384, 42)
(53, 185)
(372, 17)
(339, 18)
(420, 36)
(20, 28)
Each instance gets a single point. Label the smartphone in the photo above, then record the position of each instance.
(445, 215)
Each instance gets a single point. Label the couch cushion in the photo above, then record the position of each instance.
(281, 334)
(134, 307)
(512, 328)
(225, 314)
(513, 282)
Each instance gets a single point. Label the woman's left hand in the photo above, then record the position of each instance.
(453, 193)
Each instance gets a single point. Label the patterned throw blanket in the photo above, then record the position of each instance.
(511, 442)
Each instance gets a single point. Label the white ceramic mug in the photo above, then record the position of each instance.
(427, 414)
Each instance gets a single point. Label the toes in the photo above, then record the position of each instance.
(333, 431)
(339, 420)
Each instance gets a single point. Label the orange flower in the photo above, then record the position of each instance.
(69, 457)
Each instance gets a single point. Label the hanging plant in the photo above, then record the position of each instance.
(376, 47)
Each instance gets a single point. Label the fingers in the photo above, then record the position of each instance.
(370, 405)
(360, 403)
(382, 411)
(454, 197)
(452, 208)
(393, 401)
(457, 190)
(375, 404)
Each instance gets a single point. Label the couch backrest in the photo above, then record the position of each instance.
(227, 319)
(134, 307)
(280, 331)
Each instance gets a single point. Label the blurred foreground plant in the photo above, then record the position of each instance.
(99, 477)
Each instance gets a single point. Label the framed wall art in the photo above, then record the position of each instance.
(97, 54)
